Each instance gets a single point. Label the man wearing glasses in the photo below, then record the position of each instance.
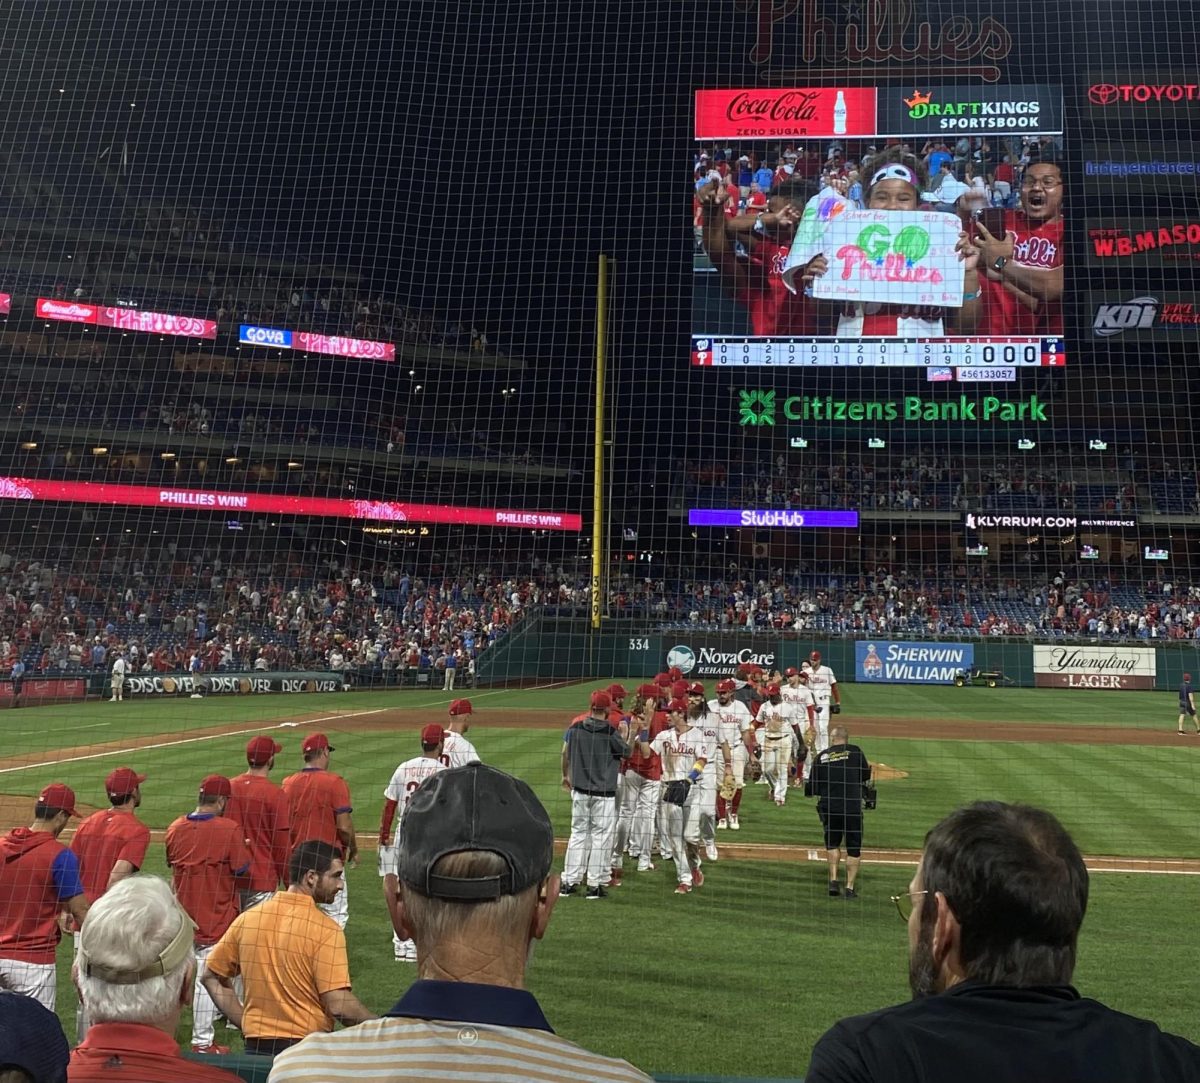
(1021, 270)
(993, 915)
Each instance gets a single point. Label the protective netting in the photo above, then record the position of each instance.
(894, 306)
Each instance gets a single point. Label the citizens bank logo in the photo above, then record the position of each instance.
(682, 658)
(756, 407)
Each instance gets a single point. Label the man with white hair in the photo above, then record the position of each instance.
(134, 972)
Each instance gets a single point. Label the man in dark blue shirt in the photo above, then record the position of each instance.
(1187, 704)
(993, 915)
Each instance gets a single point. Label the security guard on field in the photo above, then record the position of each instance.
(838, 779)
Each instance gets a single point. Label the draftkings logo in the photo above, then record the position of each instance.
(756, 407)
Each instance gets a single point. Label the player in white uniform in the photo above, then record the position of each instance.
(798, 694)
(733, 719)
(685, 750)
(457, 750)
(829, 701)
(703, 715)
(405, 779)
(778, 740)
(119, 668)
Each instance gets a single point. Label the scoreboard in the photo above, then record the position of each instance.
(880, 353)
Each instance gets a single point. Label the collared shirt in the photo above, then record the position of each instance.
(288, 953)
(442, 1031)
(136, 1053)
(1001, 1034)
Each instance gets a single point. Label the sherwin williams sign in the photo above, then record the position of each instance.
(884, 662)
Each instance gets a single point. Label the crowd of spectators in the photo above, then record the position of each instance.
(171, 610)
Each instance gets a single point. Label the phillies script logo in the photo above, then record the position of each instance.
(884, 34)
(1111, 93)
(785, 105)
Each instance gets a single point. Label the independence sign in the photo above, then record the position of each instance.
(885, 662)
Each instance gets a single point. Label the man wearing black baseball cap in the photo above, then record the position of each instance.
(474, 859)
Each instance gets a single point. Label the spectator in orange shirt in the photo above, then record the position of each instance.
(261, 808)
(134, 972)
(207, 855)
(111, 845)
(319, 804)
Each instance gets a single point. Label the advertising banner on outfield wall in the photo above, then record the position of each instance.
(1117, 666)
(45, 690)
(884, 662)
(699, 655)
(227, 684)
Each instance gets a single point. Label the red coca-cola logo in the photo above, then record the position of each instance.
(781, 105)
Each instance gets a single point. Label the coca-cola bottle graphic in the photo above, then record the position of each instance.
(839, 114)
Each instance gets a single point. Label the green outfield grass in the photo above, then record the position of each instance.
(762, 940)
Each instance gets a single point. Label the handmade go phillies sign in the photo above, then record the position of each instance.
(889, 257)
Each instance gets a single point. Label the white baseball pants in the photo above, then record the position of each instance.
(682, 827)
(204, 1011)
(635, 825)
(777, 752)
(339, 909)
(35, 980)
(589, 849)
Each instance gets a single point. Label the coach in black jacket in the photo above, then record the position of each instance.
(993, 915)
(837, 778)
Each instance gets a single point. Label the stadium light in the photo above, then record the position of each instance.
(99, 451)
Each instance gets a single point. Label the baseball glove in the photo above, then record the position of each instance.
(727, 788)
(676, 793)
(870, 795)
(835, 708)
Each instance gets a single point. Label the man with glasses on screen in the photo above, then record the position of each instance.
(993, 914)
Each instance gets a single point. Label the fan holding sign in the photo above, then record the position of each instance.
(897, 270)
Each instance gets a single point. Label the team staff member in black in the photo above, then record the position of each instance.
(838, 775)
(1187, 704)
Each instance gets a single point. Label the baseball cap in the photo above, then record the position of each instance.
(791, 671)
(317, 742)
(772, 689)
(662, 678)
(648, 691)
(815, 656)
(259, 750)
(679, 705)
(617, 691)
(31, 1038)
(122, 782)
(460, 706)
(58, 795)
(679, 690)
(475, 807)
(601, 699)
(1187, 676)
(215, 786)
(726, 685)
(675, 673)
(432, 734)
(696, 689)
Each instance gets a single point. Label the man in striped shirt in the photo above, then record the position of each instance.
(476, 890)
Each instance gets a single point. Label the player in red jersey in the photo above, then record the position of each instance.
(1022, 285)
(319, 801)
(261, 808)
(639, 801)
(757, 283)
(207, 854)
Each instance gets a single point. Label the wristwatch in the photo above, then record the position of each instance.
(998, 265)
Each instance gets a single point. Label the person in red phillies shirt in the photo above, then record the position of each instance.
(39, 878)
(111, 843)
(640, 795)
(207, 854)
(262, 810)
(1021, 273)
(757, 284)
(617, 713)
(319, 802)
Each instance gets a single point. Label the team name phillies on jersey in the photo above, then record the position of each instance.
(680, 751)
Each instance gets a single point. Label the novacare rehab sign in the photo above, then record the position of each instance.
(1094, 667)
(883, 662)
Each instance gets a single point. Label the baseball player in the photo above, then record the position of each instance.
(207, 853)
(457, 751)
(320, 808)
(734, 720)
(640, 795)
(829, 702)
(119, 668)
(779, 740)
(724, 720)
(262, 810)
(797, 693)
(684, 750)
(405, 779)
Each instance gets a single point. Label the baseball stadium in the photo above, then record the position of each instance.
(727, 463)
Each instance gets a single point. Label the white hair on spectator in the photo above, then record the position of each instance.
(126, 929)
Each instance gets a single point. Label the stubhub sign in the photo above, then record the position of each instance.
(265, 336)
(884, 662)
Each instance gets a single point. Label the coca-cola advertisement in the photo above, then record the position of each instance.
(811, 112)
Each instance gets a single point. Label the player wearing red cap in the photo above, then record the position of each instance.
(320, 808)
(111, 843)
(457, 751)
(396, 795)
(40, 879)
(207, 855)
(829, 702)
(778, 740)
(731, 720)
(262, 809)
(639, 801)
(797, 695)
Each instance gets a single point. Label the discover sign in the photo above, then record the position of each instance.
(230, 684)
(1094, 667)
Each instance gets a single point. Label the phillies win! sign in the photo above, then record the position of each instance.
(809, 112)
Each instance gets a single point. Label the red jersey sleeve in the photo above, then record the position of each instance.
(135, 845)
(238, 853)
(339, 795)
